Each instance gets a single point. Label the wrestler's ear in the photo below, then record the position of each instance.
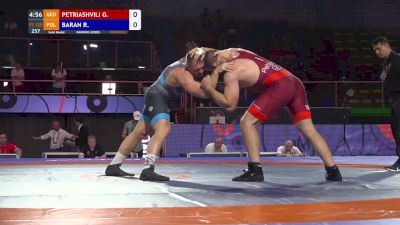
(215, 60)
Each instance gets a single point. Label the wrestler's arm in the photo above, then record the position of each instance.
(229, 99)
(223, 68)
(186, 80)
(215, 76)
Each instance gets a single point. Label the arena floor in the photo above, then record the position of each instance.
(71, 191)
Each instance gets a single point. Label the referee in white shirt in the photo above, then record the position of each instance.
(57, 135)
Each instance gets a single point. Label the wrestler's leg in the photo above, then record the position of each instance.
(161, 127)
(306, 127)
(265, 106)
(248, 126)
(301, 116)
(141, 130)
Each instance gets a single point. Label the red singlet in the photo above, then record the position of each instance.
(279, 88)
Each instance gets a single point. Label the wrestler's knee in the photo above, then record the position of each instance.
(247, 122)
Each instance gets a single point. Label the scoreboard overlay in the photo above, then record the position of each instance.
(83, 21)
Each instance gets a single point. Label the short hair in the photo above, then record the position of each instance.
(79, 120)
(379, 40)
(218, 139)
(289, 141)
(91, 137)
(190, 60)
(209, 59)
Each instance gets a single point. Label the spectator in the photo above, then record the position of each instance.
(289, 150)
(216, 146)
(218, 27)
(128, 128)
(205, 18)
(83, 133)
(218, 20)
(92, 149)
(232, 32)
(8, 147)
(57, 135)
(11, 27)
(17, 75)
(59, 75)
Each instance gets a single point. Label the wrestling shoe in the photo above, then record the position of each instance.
(148, 174)
(332, 173)
(253, 173)
(394, 167)
(114, 170)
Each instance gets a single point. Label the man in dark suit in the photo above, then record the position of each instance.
(391, 77)
(83, 133)
(92, 149)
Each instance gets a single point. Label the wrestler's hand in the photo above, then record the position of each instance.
(226, 67)
(206, 83)
(197, 53)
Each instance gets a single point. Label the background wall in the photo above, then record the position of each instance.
(371, 139)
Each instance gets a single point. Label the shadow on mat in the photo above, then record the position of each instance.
(306, 190)
(375, 177)
(278, 190)
(126, 177)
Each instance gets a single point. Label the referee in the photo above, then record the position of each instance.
(391, 77)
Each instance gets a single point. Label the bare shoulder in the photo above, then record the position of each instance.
(240, 64)
(241, 67)
(178, 72)
(178, 76)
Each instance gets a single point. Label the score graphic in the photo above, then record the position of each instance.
(71, 21)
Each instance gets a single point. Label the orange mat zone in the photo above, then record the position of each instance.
(314, 212)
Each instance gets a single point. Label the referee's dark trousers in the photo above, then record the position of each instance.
(395, 124)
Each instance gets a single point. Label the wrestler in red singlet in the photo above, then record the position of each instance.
(278, 88)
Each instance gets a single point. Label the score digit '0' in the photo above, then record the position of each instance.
(135, 19)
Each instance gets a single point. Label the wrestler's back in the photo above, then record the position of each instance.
(247, 72)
